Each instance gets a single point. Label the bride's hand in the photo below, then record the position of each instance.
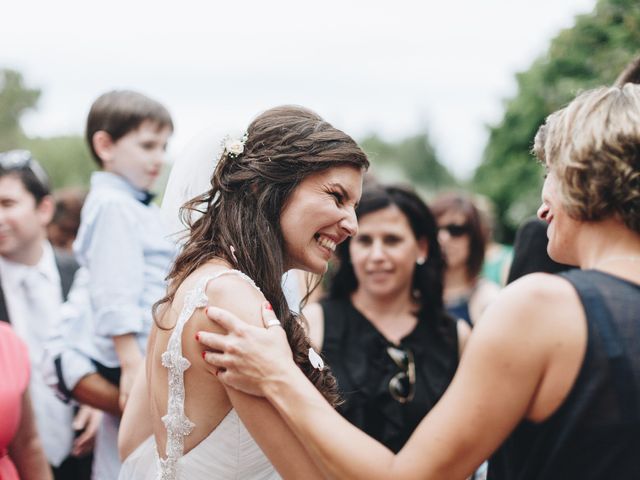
(247, 358)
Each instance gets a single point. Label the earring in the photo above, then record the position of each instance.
(421, 260)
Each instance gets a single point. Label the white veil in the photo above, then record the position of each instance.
(191, 176)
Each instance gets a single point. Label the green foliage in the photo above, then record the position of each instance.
(589, 54)
(66, 159)
(412, 159)
(15, 100)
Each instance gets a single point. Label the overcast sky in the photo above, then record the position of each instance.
(395, 67)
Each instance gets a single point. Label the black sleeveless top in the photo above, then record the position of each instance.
(595, 433)
(356, 352)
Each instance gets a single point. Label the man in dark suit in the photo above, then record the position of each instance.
(34, 280)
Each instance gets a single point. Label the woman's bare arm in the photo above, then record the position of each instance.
(266, 426)
(494, 389)
(26, 450)
(135, 426)
(98, 392)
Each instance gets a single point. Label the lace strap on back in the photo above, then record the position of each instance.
(176, 422)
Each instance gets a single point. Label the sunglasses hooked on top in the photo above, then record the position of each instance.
(455, 230)
(23, 160)
(402, 384)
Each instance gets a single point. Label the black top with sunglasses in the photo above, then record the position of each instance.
(387, 388)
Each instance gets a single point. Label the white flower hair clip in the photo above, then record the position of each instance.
(233, 147)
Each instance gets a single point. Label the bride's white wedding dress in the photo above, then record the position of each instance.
(228, 452)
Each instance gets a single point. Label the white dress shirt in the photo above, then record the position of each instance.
(33, 297)
(71, 341)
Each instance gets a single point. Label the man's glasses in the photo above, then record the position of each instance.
(455, 230)
(23, 160)
(402, 385)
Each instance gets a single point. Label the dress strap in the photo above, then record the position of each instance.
(176, 422)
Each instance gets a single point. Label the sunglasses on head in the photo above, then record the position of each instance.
(402, 384)
(455, 230)
(23, 160)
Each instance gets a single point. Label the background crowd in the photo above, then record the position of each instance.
(81, 267)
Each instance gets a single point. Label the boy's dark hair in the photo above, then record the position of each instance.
(119, 112)
(22, 165)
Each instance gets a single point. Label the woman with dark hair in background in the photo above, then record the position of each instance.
(383, 328)
(530, 251)
(463, 240)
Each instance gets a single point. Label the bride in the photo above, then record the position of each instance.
(281, 197)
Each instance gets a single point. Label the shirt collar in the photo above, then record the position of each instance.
(117, 182)
(47, 264)
(13, 273)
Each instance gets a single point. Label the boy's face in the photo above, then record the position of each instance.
(138, 156)
(22, 221)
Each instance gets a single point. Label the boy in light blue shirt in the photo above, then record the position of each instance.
(122, 244)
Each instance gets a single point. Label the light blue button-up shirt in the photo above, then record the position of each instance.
(123, 245)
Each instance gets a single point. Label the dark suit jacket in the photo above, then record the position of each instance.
(67, 267)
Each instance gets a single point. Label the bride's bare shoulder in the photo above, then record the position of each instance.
(168, 312)
(232, 291)
(211, 268)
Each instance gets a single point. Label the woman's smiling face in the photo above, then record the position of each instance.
(319, 215)
(384, 253)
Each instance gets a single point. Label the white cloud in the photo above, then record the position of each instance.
(393, 67)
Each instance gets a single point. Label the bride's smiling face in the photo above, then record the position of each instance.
(319, 215)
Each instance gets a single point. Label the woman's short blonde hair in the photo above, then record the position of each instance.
(593, 145)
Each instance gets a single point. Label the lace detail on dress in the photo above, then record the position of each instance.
(175, 421)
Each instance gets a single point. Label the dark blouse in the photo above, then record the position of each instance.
(595, 434)
(356, 352)
(460, 309)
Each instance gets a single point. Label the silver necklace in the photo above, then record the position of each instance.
(628, 258)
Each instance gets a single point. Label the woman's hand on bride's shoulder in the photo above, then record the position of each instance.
(247, 358)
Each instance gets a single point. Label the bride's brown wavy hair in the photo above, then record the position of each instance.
(242, 209)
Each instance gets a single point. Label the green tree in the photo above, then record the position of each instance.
(15, 100)
(589, 54)
(65, 158)
(412, 159)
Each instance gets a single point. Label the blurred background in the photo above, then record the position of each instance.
(440, 94)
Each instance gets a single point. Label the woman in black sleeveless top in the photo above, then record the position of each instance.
(550, 378)
(383, 328)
